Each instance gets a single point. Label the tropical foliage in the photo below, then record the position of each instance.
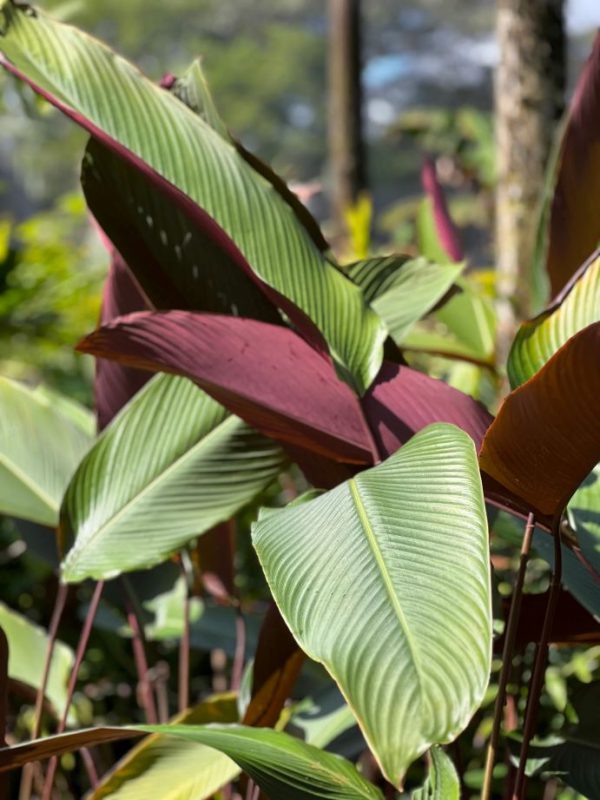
(378, 508)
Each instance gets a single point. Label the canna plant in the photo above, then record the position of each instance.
(277, 360)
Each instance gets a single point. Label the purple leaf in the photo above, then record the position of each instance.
(114, 384)
(574, 228)
(267, 375)
(402, 401)
(446, 229)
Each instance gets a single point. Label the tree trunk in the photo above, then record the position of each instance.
(529, 92)
(346, 144)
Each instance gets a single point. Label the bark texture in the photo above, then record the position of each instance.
(529, 92)
(346, 143)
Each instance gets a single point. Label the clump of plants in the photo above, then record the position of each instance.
(280, 367)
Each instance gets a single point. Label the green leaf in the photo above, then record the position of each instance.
(105, 94)
(385, 580)
(538, 339)
(584, 515)
(40, 448)
(442, 782)
(428, 238)
(169, 467)
(470, 317)
(285, 768)
(402, 290)
(27, 647)
(323, 718)
(168, 609)
(165, 767)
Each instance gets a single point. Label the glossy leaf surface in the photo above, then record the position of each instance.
(553, 418)
(538, 339)
(385, 581)
(168, 468)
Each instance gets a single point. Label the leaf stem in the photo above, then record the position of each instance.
(139, 653)
(57, 612)
(184, 644)
(240, 650)
(539, 668)
(81, 648)
(510, 636)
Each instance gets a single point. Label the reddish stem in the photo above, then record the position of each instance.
(510, 636)
(240, 651)
(184, 654)
(539, 668)
(145, 694)
(57, 612)
(81, 648)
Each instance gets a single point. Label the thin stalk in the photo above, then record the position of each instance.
(59, 606)
(90, 767)
(539, 668)
(252, 790)
(184, 654)
(146, 696)
(81, 648)
(507, 657)
(240, 650)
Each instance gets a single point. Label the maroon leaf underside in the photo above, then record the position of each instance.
(115, 384)
(446, 229)
(402, 401)
(546, 439)
(574, 225)
(196, 215)
(267, 375)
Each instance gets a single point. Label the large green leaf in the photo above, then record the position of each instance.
(40, 448)
(27, 648)
(442, 782)
(170, 466)
(172, 769)
(402, 290)
(131, 115)
(385, 580)
(284, 767)
(538, 339)
(584, 515)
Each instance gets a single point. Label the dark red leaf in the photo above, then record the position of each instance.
(446, 229)
(267, 375)
(574, 226)
(546, 438)
(115, 384)
(277, 663)
(196, 215)
(402, 401)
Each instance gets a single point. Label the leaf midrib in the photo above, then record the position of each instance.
(50, 503)
(230, 421)
(387, 578)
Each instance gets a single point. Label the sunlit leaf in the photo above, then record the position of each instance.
(442, 781)
(385, 580)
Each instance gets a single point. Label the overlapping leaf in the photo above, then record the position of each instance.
(284, 768)
(114, 384)
(41, 445)
(174, 769)
(403, 290)
(169, 467)
(265, 374)
(546, 439)
(577, 306)
(437, 231)
(234, 207)
(385, 580)
(402, 401)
